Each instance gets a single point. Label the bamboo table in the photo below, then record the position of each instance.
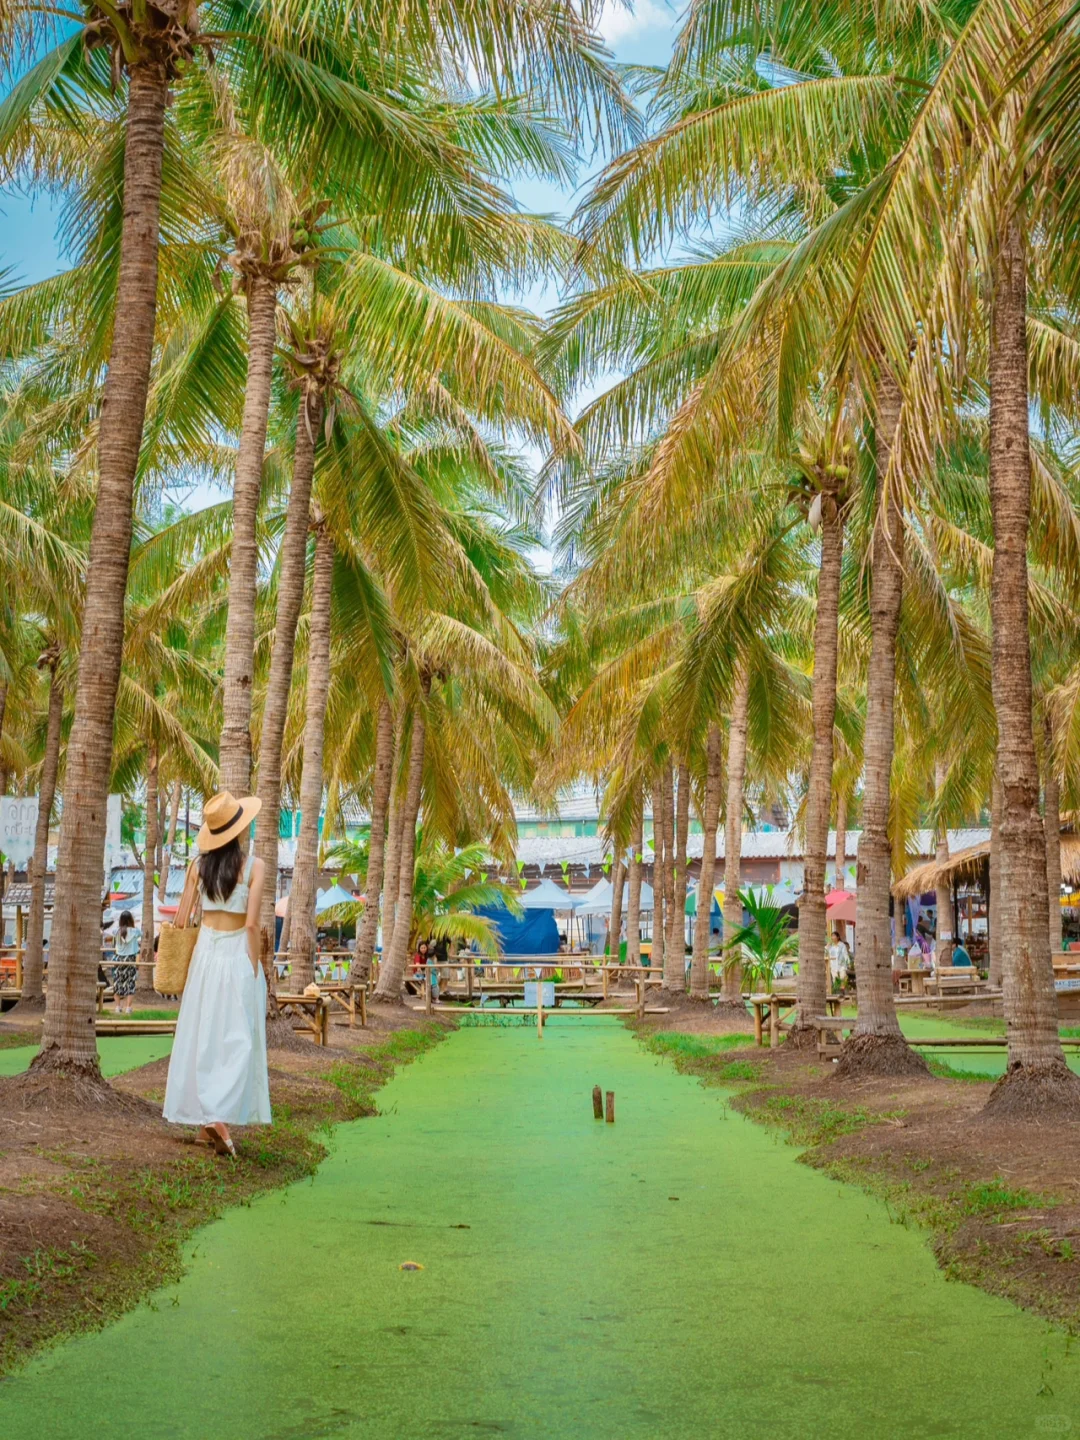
(776, 1002)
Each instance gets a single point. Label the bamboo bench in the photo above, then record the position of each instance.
(830, 1032)
(350, 995)
(315, 1010)
(115, 1025)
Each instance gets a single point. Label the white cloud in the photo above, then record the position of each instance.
(617, 23)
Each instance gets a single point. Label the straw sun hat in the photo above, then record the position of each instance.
(224, 818)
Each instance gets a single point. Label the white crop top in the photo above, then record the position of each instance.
(237, 902)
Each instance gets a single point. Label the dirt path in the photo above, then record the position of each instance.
(677, 1274)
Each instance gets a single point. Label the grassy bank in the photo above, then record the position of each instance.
(93, 1221)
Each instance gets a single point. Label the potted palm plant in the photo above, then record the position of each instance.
(759, 945)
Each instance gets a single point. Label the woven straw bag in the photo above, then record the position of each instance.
(176, 944)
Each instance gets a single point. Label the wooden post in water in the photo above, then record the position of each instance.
(610, 1117)
(597, 1103)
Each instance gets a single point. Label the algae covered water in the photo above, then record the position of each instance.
(677, 1274)
(116, 1054)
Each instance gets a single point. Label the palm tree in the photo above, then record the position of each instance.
(710, 818)
(303, 896)
(733, 820)
(33, 996)
(755, 949)
(877, 1045)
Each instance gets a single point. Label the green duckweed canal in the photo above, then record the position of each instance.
(116, 1055)
(676, 1275)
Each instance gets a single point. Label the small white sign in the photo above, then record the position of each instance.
(18, 821)
(113, 844)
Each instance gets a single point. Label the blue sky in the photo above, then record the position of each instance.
(29, 251)
(28, 246)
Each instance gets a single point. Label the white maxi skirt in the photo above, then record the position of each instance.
(218, 1066)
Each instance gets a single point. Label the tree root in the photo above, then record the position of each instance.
(735, 1008)
(28, 1005)
(280, 1035)
(868, 1055)
(1036, 1091)
(801, 1037)
(55, 1083)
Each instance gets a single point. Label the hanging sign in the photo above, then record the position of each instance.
(18, 821)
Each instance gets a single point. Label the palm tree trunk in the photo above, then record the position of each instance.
(811, 986)
(290, 599)
(144, 988)
(731, 993)
(170, 840)
(33, 997)
(392, 975)
(68, 1040)
(710, 820)
(1052, 828)
(675, 955)
(661, 808)
(306, 865)
(878, 1047)
(3, 769)
(380, 798)
(615, 923)
(993, 908)
(943, 940)
(633, 884)
(840, 867)
(235, 753)
(1037, 1077)
(394, 826)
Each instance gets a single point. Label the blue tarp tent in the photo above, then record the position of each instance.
(534, 933)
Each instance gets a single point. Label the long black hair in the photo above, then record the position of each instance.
(219, 870)
(125, 923)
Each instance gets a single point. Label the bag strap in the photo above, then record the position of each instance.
(187, 899)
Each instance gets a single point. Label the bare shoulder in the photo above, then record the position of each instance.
(258, 869)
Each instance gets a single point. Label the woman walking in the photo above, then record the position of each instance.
(125, 971)
(217, 1073)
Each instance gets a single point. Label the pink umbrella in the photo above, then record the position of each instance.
(844, 907)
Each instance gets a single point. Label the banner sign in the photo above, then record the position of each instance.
(18, 821)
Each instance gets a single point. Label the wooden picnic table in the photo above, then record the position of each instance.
(912, 982)
(776, 1002)
(350, 995)
(316, 1012)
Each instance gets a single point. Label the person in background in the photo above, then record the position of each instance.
(126, 970)
(421, 960)
(960, 955)
(839, 961)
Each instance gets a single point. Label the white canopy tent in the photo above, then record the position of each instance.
(547, 896)
(598, 900)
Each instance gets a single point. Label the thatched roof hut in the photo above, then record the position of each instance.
(971, 866)
(966, 867)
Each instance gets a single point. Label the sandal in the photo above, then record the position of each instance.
(222, 1144)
